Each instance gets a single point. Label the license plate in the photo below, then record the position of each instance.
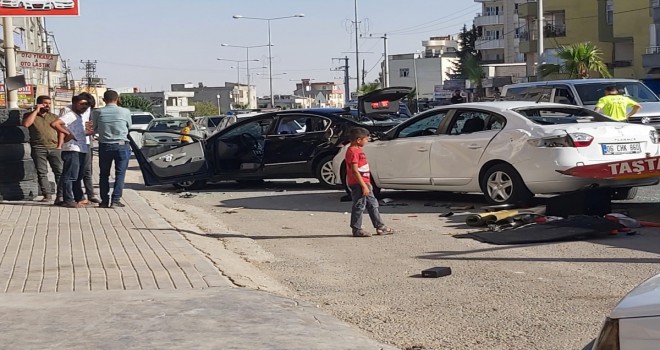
(621, 148)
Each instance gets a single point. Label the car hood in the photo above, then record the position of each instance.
(643, 301)
(382, 101)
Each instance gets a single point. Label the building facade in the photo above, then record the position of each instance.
(324, 94)
(170, 103)
(228, 97)
(499, 28)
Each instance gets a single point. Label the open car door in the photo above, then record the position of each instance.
(164, 159)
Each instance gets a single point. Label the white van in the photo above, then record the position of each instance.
(587, 92)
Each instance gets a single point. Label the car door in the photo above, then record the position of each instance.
(239, 149)
(168, 162)
(405, 158)
(455, 158)
(294, 143)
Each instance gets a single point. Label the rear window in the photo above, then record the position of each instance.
(592, 92)
(529, 93)
(141, 118)
(553, 116)
(215, 121)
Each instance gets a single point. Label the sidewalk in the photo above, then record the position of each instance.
(125, 279)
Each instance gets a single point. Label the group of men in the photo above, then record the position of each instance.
(65, 142)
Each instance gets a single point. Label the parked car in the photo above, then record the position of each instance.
(167, 132)
(141, 120)
(587, 92)
(10, 3)
(507, 150)
(233, 118)
(634, 324)
(62, 4)
(37, 4)
(209, 124)
(276, 145)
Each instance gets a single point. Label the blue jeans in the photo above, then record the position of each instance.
(360, 203)
(72, 174)
(119, 154)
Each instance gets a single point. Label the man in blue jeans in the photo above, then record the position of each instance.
(112, 124)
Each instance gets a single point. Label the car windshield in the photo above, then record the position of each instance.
(215, 121)
(560, 115)
(141, 118)
(590, 93)
(168, 125)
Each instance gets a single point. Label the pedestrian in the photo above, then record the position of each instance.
(45, 151)
(112, 123)
(88, 181)
(73, 141)
(185, 138)
(616, 106)
(358, 180)
(456, 97)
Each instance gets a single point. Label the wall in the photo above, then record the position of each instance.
(629, 22)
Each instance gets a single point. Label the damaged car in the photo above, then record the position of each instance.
(509, 151)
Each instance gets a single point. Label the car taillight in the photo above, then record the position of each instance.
(576, 139)
(608, 339)
(581, 139)
(655, 137)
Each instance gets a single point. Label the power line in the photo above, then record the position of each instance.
(427, 24)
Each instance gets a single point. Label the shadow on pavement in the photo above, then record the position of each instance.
(256, 238)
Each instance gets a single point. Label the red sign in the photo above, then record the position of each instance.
(39, 8)
(622, 170)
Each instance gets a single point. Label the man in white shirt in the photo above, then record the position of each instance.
(73, 125)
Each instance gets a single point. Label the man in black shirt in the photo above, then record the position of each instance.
(457, 98)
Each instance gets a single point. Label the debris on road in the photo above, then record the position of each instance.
(232, 210)
(436, 272)
(462, 207)
(436, 205)
(447, 214)
(186, 195)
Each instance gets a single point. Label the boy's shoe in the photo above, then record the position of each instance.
(361, 233)
(384, 231)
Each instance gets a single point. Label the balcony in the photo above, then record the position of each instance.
(483, 20)
(651, 59)
(528, 9)
(487, 43)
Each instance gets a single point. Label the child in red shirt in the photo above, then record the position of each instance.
(358, 179)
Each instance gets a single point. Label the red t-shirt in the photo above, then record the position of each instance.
(355, 155)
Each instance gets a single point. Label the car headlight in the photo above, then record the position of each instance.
(608, 339)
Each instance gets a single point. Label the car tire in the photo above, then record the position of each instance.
(19, 190)
(14, 134)
(624, 193)
(190, 185)
(324, 172)
(15, 151)
(501, 184)
(18, 170)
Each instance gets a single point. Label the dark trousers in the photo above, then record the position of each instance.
(43, 156)
(87, 177)
(74, 169)
(360, 203)
(119, 154)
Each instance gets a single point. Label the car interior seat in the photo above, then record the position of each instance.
(473, 125)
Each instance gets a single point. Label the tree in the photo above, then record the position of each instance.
(368, 87)
(205, 109)
(474, 73)
(579, 60)
(135, 102)
(467, 49)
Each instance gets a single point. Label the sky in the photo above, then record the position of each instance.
(151, 44)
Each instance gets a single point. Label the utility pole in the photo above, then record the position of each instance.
(539, 58)
(386, 66)
(357, 47)
(347, 78)
(67, 71)
(47, 49)
(90, 76)
(10, 61)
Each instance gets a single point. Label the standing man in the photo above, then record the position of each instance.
(43, 140)
(72, 125)
(112, 124)
(457, 98)
(616, 106)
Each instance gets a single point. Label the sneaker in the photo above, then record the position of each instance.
(104, 205)
(95, 200)
(118, 204)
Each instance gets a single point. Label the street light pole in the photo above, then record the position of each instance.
(270, 52)
(416, 86)
(386, 67)
(247, 59)
(238, 72)
(219, 109)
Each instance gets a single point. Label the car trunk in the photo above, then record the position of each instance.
(382, 104)
(611, 141)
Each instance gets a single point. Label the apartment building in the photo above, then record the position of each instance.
(325, 94)
(499, 28)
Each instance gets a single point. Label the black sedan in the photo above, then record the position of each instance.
(277, 145)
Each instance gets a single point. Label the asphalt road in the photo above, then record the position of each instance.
(543, 296)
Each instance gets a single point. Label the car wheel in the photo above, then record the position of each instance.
(502, 184)
(190, 185)
(624, 193)
(324, 172)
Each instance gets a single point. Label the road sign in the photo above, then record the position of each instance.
(36, 60)
(34, 8)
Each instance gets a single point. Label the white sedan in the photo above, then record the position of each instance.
(507, 150)
(634, 324)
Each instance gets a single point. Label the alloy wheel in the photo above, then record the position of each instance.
(499, 186)
(327, 175)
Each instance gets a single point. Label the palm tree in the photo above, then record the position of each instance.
(579, 60)
(369, 87)
(475, 73)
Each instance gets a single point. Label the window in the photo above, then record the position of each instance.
(255, 128)
(563, 95)
(609, 12)
(467, 122)
(298, 124)
(404, 72)
(566, 115)
(423, 127)
(591, 93)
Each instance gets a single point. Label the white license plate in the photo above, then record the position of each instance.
(621, 148)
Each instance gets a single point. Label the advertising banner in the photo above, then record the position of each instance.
(25, 96)
(39, 8)
(36, 60)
